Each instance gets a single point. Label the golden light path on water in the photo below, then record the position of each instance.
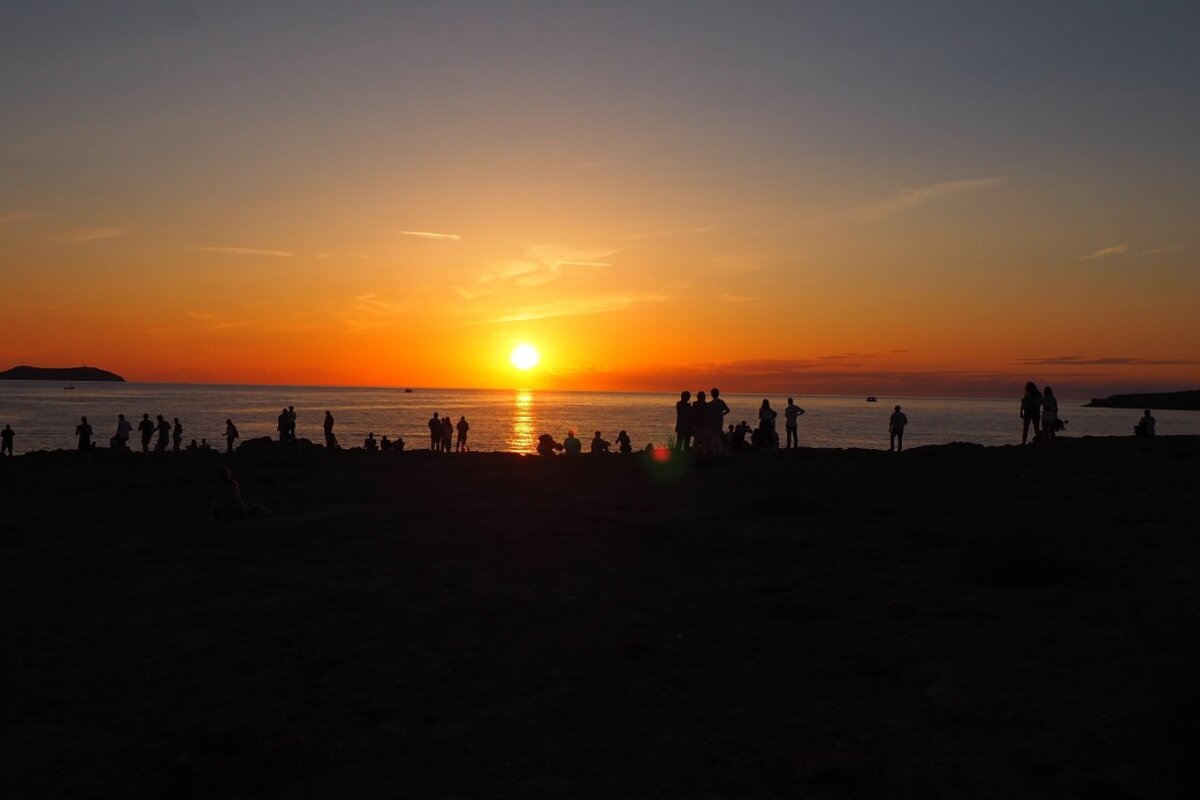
(523, 437)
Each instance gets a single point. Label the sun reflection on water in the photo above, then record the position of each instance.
(521, 438)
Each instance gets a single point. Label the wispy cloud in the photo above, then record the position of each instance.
(578, 306)
(911, 198)
(80, 235)
(1157, 250)
(370, 312)
(1105, 361)
(538, 265)
(1105, 252)
(637, 237)
(739, 298)
(243, 251)
(447, 237)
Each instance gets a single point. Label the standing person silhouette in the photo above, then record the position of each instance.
(791, 425)
(6, 440)
(164, 434)
(766, 422)
(84, 431)
(146, 429)
(1031, 412)
(896, 425)
(699, 421)
(291, 432)
(463, 426)
(447, 432)
(330, 440)
(231, 433)
(121, 437)
(176, 435)
(281, 425)
(1049, 414)
(714, 418)
(683, 421)
(435, 433)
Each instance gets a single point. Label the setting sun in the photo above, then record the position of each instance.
(524, 356)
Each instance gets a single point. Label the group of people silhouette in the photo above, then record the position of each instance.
(442, 432)
(573, 446)
(700, 425)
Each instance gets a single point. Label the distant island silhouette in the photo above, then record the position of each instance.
(26, 373)
(1188, 400)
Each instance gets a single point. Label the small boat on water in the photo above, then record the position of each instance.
(408, 391)
(872, 399)
(69, 387)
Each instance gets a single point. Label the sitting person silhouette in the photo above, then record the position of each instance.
(571, 445)
(229, 504)
(624, 443)
(370, 444)
(546, 445)
(1145, 425)
(599, 445)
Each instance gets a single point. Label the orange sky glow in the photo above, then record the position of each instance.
(404, 205)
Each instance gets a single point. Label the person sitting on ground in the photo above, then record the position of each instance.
(398, 445)
(624, 443)
(599, 445)
(370, 444)
(896, 425)
(229, 504)
(231, 433)
(6, 440)
(737, 439)
(385, 444)
(204, 445)
(192, 446)
(1145, 425)
(571, 445)
(546, 445)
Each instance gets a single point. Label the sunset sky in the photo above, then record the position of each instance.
(902, 198)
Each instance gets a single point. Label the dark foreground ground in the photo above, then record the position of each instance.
(952, 622)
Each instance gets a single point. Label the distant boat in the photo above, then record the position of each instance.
(872, 399)
(408, 391)
(68, 387)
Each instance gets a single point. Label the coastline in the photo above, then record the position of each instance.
(955, 620)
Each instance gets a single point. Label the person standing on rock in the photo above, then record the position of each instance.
(164, 435)
(896, 425)
(6, 440)
(330, 440)
(84, 431)
(791, 419)
(146, 428)
(176, 435)
(231, 433)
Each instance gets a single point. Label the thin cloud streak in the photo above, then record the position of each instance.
(1156, 250)
(81, 235)
(448, 237)
(243, 251)
(1105, 252)
(1106, 361)
(578, 307)
(911, 198)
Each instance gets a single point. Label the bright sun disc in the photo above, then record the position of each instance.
(525, 356)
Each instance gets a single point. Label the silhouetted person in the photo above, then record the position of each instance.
(435, 433)
(204, 445)
(330, 439)
(84, 432)
(624, 443)
(699, 420)
(385, 444)
(291, 420)
(766, 424)
(546, 445)
(164, 434)
(738, 440)
(791, 416)
(398, 445)
(599, 445)
(1050, 422)
(282, 424)
(176, 435)
(231, 433)
(192, 446)
(896, 425)
(683, 421)
(6, 440)
(369, 444)
(571, 445)
(1031, 411)
(714, 418)
(463, 426)
(1145, 425)
(146, 429)
(229, 504)
(447, 432)
(121, 437)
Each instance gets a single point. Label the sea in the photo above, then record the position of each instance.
(44, 415)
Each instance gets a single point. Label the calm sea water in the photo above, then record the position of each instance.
(44, 414)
